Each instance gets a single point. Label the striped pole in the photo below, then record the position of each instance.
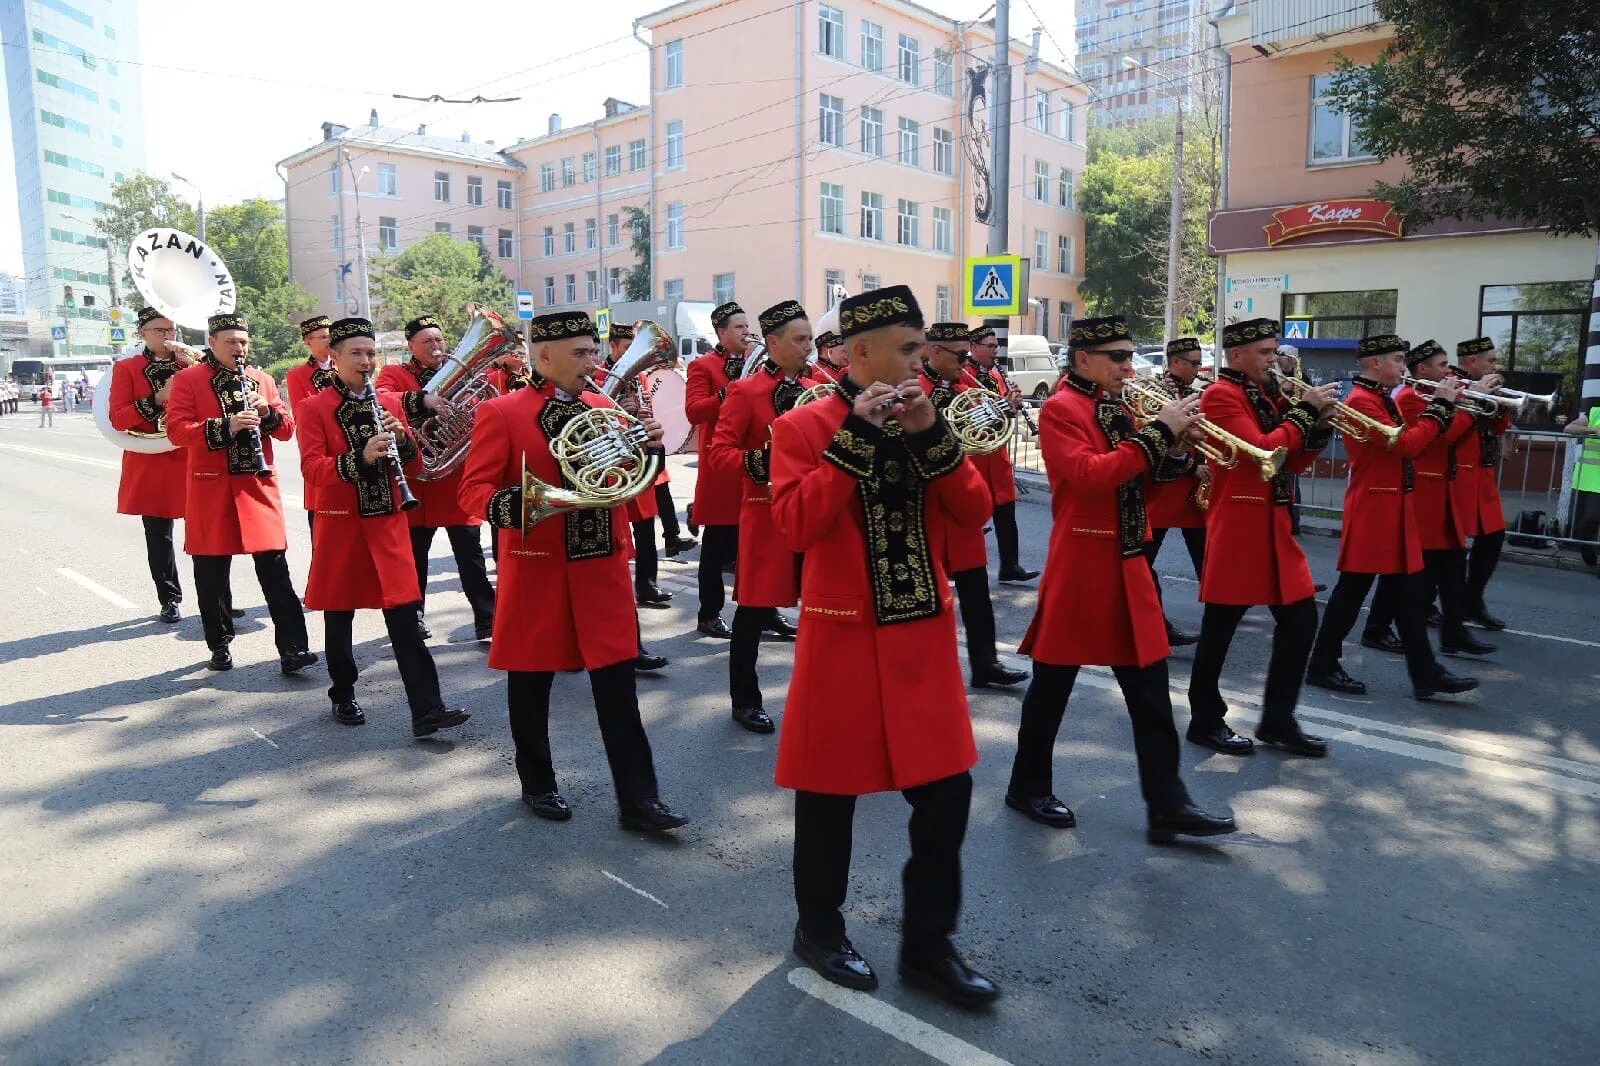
(1589, 386)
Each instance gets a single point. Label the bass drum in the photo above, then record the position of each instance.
(144, 443)
(666, 391)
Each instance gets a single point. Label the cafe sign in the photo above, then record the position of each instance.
(1332, 216)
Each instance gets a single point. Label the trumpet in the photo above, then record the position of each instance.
(1145, 399)
(604, 454)
(1470, 400)
(1518, 401)
(1346, 419)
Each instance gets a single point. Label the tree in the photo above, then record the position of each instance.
(439, 276)
(139, 203)
(1124, 195)
(636, 279)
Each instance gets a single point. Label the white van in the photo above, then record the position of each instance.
(1033, 364)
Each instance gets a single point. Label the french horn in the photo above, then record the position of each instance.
(604, 454)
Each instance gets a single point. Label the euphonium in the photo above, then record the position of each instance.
(1145, 398)
(462, 382)
(651, 347)
(603, 454)
(1346, 419)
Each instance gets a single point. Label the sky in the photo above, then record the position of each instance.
(230, 88)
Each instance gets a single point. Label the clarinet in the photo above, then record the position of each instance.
(408, 502)
(247, 393)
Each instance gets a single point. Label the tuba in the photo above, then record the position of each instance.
(462, 382)
(605, 454)
(650, 349)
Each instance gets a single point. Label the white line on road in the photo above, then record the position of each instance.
(104, 464)
(98, 589)
(908, 1029)
(260, 736)
(639, 891)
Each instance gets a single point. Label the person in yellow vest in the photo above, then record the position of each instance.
(1586, 480)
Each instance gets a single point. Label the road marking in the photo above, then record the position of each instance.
(639, 891)
(259, 736)
(104, 464)
(908, 1029)
(98, 589)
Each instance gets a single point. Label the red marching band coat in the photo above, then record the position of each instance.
(1380, 534)
(304, 380)
(716, 496)
(1097, 599)
(1488, 515)
(574, 613)
(360, 544)
(441, 506)
(965, 549)
(872, 706)
(1170, 504)
(152, 485)
(996, 466)
(820, 371)
(1443, 501)
(226, 513)
(1260, 563)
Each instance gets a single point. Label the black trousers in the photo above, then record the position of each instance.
(645, 561)
(1482, 558)
(1193, 539)
(311, 521)
(1295, 629)
(411, 655)
(1005, 534)
(977, 616)
(467, 545)
(1155, 738)
(670, 530)
(719, 545)
(163, 561)
(931, 880)
(1446, 573)
(1413, 592)
(744, 687)
(213, 589)
(616, 705)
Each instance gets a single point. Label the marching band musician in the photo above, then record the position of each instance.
(768, 575)
(566, 576)
(1479, 458)
(360, 546)
(830, 364)
(1174, 504)
(641, 510)
(509, 372)
(1379, 536)
(672, 537)
(440, 505)
(996, 466)
(866, 484)
(152, 485)
(1097, 602)
(307, 379)
(229, 510)
(966, 556)
(1263, 565)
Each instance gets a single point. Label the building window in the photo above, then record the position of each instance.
(388, 234)
(502, 192)
(569, 173)
(571, 288)
(1064, 188)
(872, 216)
(1067, 130)
(871, 46)
(1334, 137)
(910, 141)
(441, 186)
(675, 144)
(335, 241)
(870, 282)
(475, 235)
(338, 287)
(1344, 315)
(1064, 254)
(613, 230)
(941, 303)
(675, 225)
(475, 191)
(1539, 328)
(832, 283)
(614, 281)
(1041, 181)
(591, 234)
(674, 65)
(636, 154)
(1041, 250)
(872, 131)
(1064, 324)
(721, 288)
(549, 292)
(590, 166)
(591, 286)
(333, 177)
(1041, 111)
(832, 208)
(672, 289)
(907, 224)
(387, 184)
(569, 238)
(910, 60)
(831, 118)
(942, 227)
(442, 227)
(549, 241)
(944, 82)
(503, 244)
(944, 151)
(830, 31)
(613, 160)
(547, 177)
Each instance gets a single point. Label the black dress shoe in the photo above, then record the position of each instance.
(843, 965)
(1180, 638)
(1467, 644)
(780, 628)
(1337, 680)
(1293, 741)
(678, 545)
(423, 631)
(1484, 620)
(950, 978)
(1046, 810)
(1188, 821)
(483, 632)
(437, 719)
(754, 719)
(1319, 588)
(651, 595)
(1444, 684)
(1017, 573)
(221, 659)
(349, 712)
(1385, 641)
(997, 675)
(294, 662)
(1435, 619)
(714, 627)
(236, 612)
(648, 662)
(1220, 739)
(652, 816)
(169, 613)
(549, 806)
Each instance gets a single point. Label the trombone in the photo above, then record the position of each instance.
(1346, 419)
(1146, 397)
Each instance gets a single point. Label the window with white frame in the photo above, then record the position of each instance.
(832, 208)
(338, 287)
(571, 288)
(569, 173)
(442, 227)
(636, 154)
(944, 151)
(547, 177)
(549, 292)
(872, 216)
(1068, 130)
(502, 195)
(613, 281)
(388, 234)
(613, 160)
(872, 131)
(1041, 250)
(910, 141)
(871, 45)
(830, 31)
(1064, 183)
(590, 166)
(386, 180)
(590, 234)
(941, 303)
(674, 65)
(1064, 324)
(475, 235)
(336, 237)
(1041, 110)
(569, 238)
(944, 78)
(1041, 181)
(441, 186)
(672, 289)
(870, 282)
(675, 225)
(1335, 138)
(1064, 254)
(910, 60)
(333, 177)
(943, 226)
(832, 282)
(591, 285)
(613, 230)
(721, 288)
(674, 144)
(830, 119)
(549, 245)
(908, 221)
(503, 246)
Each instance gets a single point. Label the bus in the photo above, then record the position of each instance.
(32, 374)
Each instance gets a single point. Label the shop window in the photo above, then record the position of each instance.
(1538, 329)
(1344, 315)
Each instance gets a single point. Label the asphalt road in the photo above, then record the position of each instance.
(204, 868)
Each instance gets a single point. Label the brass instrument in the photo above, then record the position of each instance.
(1346, 419)
(651, 347)
(1145, 399)
(462, 382)
(1518, 401)
(604, 454)
(752, 361)
(980, 420)
(1469, 400)
(408, 502)
(819, 391)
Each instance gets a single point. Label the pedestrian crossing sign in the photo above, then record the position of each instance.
(993, 286)
(1296, 329)
(602, 323)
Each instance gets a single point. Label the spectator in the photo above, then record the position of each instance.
(47, 407)
(1586, 481)
(69, 398)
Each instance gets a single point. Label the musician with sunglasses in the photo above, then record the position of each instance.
(983, 350)
(1175, 505)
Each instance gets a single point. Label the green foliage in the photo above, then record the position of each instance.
(138, 203)
(636, 279)
(438, 276)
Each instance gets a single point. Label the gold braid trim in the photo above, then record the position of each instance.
(216, 434)
(854, 447)
(758, 464)
(1441, 411)
(1302, 416)
(148, 409)
(411, 402)
(348, 468)
(505, 508)
(935, 451)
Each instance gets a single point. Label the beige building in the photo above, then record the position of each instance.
(1136, 55)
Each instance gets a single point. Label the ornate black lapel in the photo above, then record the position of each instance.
(374, 490)
(227, 386)
(588, 531)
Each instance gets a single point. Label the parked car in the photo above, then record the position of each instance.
(1033, 364)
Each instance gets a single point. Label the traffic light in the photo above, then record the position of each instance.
(67, 297)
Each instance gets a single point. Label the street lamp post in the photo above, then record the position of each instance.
(1175, 223)
(361, 233)
(200, 200)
